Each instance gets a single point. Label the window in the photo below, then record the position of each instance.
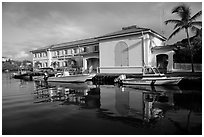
(121, 54)
(62, 52)
(69, 51)
(96, 48)
(85, 49)
(53, 54)
(65, 52)
(149, 71)
(74, 50)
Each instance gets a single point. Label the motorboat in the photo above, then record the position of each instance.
(22, 74)
(150, 76)
(71, 78)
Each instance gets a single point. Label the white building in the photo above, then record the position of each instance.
(124, 51)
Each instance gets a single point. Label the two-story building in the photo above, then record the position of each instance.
(84, 52)
(123, 51)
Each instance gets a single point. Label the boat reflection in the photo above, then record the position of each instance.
(82, 94)
(135, 105)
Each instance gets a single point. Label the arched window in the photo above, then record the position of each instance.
(121, 54)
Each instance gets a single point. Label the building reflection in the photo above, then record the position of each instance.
(68, 94)
(136, 105)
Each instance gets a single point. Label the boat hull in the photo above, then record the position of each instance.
(152, 81)
(72, 78)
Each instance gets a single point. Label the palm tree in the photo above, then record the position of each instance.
(186, 22)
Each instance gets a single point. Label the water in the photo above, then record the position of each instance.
(30, 108)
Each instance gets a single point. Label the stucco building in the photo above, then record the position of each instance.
(123, 51)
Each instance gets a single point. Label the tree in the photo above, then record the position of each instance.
(182, 54)
(186, 22)
(9, 66)
(37, 64)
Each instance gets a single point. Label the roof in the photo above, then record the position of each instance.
(82, 42)
(164, 48)
(76, 43)
(130, 30)
(42, 49)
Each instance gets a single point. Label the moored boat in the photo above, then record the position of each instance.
(71, 78)
(150, 76)
(22, 74)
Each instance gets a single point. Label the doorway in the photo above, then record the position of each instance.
(162, 62)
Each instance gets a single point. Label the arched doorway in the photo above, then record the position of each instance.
(93, 63)
(162, 62)
(121, 54)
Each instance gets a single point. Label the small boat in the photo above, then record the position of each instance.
(150, 76)
(39, 74)
(22, 74)
(72, 78)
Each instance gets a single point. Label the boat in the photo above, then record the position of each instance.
(39, 74)
(72, 78)
(22, 74)
(150, 76)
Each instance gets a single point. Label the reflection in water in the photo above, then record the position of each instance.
(135, 106)
(138, 105)
(85, 96)
(62, 108)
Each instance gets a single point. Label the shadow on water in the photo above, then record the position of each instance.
(136, 106)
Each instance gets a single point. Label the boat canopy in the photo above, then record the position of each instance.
(150, 70)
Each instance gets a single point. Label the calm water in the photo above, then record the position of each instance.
(36, 108)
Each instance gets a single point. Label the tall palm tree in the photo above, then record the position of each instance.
(186, 22)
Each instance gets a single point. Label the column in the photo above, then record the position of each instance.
(84, 64)
(49, 57)
(170, 61)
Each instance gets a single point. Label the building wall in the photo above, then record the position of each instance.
(138, 56)
(107, 55)
(139, 53)
(61, 55)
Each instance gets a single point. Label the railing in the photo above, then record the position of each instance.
(121, 69)
(187, 67)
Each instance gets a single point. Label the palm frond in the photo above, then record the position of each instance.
(183, 11)
(179, 25)
(196, 23)
(177, 9)
(196, 16)
(173, 21)
(194, 29)
(175, 32)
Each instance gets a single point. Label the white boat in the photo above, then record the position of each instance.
(72, 78)
(150, 76)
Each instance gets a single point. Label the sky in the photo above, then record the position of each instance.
(30, 25)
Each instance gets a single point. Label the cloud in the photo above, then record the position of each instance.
(28, 26)
(21, 54)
